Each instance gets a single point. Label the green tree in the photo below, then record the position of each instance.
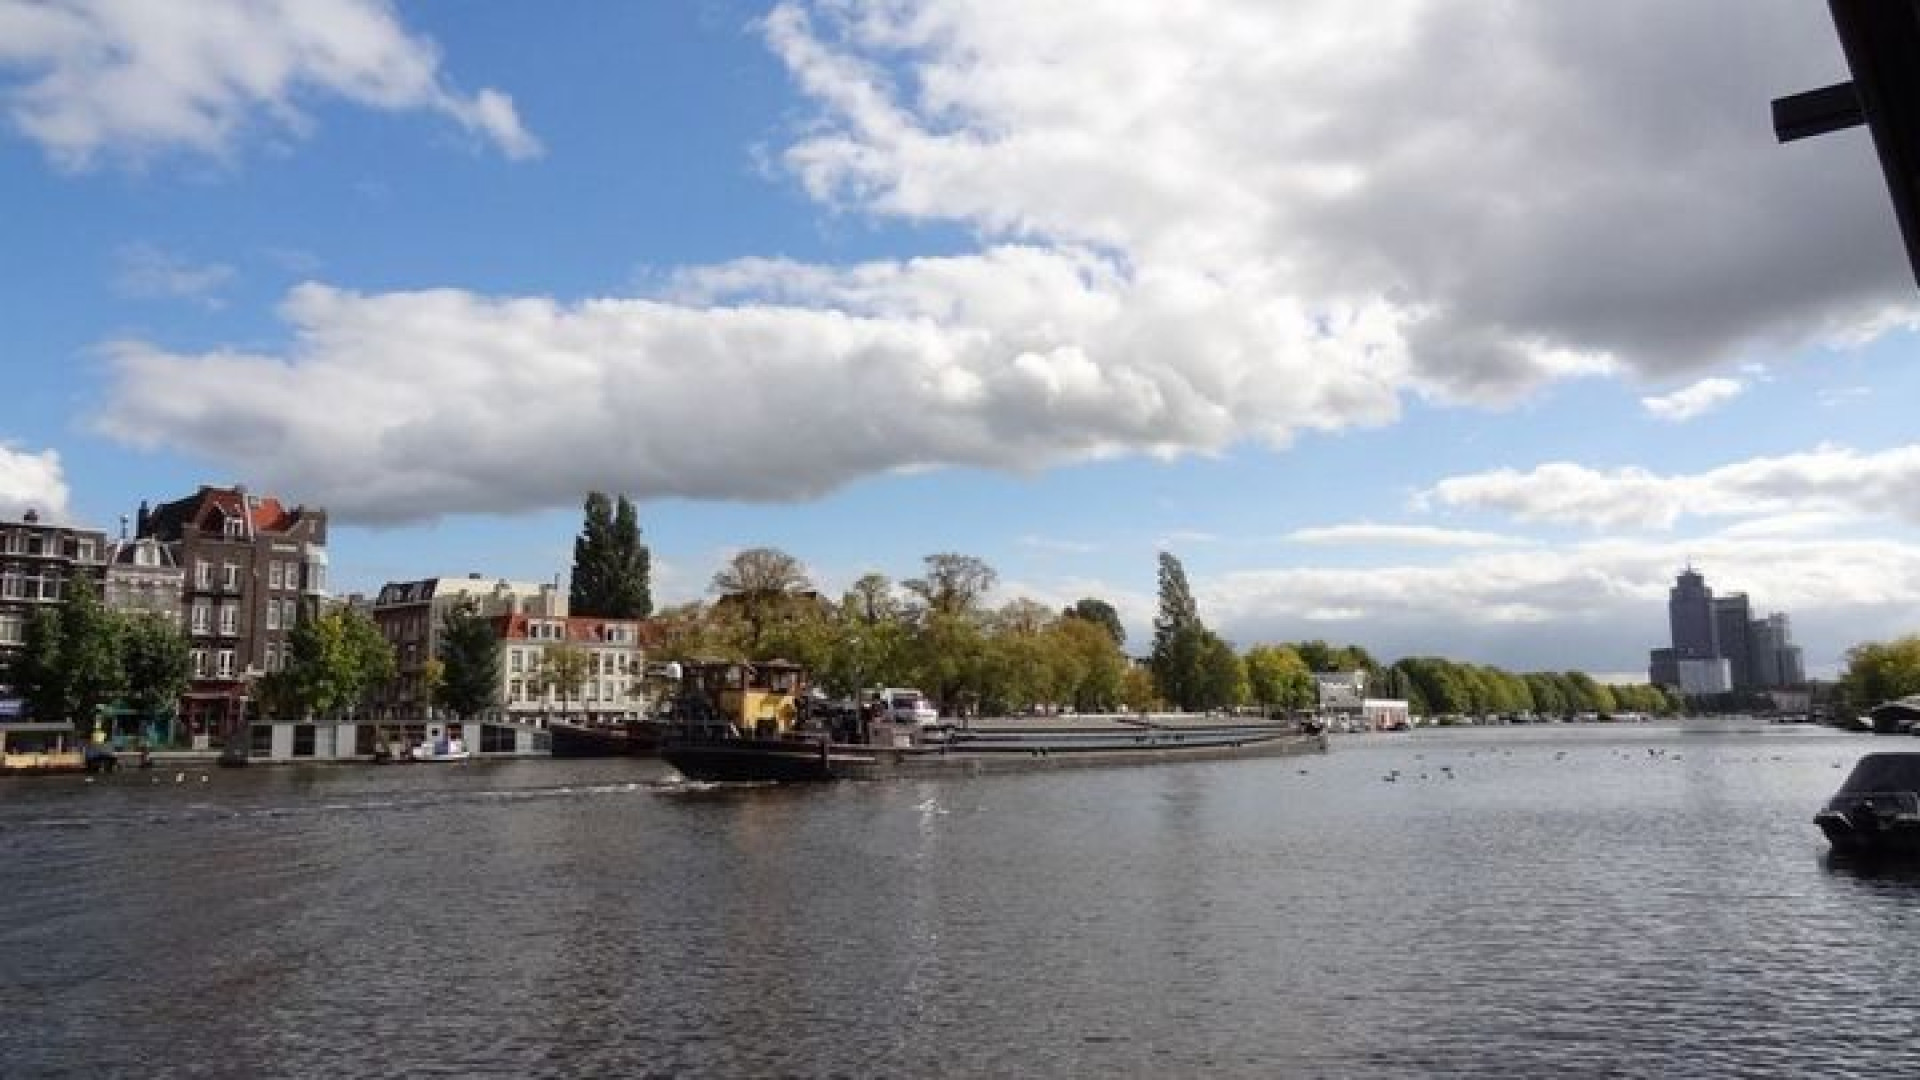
(1101, 614)
(954, 584)
(334, 661)
(69, 663)
(1278, 678)
(612, 566)
(1880, 671)
(564, 670)
(469, 649)
(1176, 636)
(156, 659)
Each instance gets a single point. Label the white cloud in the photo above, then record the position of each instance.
(436, 402)
(147, 272)
(126, 79)
(1201, 224)
(1695, 400)
(1535, 191)
(32, 481)
(1884, 484)
(1407, 535)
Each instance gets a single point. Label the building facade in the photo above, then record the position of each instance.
(612, 685)
(1690, 617)
(1732, 626)
(411, 613)
(250, 565)
(38, 561)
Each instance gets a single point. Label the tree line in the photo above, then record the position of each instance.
(937, 631)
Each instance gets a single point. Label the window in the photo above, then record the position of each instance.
(202, 574)
(260, 740)
(229, 619)
(303, 740)
(199, 663)
(85, 551)
(293, 575)
(223, 664)
(316, 577)
(275, 574)
(514, 691)
(230, 577)
(271, 661)
(202, 617)
(273, 613)
(519, 661)
(10, 629)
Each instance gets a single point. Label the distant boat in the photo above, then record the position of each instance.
(1898, 717)
(1877, 809)
(441, 750)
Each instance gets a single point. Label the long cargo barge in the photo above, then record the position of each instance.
(744, 722)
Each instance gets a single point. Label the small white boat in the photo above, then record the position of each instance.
(441, 750)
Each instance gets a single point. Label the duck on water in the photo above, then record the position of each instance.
(734, 720)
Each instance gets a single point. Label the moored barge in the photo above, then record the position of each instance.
(739, 721)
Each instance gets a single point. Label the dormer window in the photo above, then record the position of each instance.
(236, 528)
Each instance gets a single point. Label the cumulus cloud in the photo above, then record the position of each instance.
(1200, 224)
(1404, 535)
(1539, 190)
(1592, 606)
(1828, 479)
(1691, 401)
(419, 404)
(104, 78)
(32, 481)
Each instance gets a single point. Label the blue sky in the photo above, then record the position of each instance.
(1455, 330)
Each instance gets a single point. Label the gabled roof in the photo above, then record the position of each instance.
(210, 508)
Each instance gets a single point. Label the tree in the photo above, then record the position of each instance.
(69, 663)
(1179, 638)
(334, 660)
(761, 583)
(954, 584)
(1101, 614)
(1880, 671)
(612, 567)
(564, 669)
(871, 599)
(156, 660)
(1278, 678)
(470, 652)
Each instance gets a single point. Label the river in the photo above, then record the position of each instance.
(1617, 901)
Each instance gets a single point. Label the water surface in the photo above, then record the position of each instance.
(1627, 901)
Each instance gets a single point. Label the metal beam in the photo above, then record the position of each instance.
(1816, 112)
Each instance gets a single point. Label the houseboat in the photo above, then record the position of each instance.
(41, 748)
(1877, 809)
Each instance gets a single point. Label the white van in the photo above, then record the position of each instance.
(906, 705)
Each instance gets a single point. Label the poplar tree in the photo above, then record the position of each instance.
(1177, 645)
(612, 568)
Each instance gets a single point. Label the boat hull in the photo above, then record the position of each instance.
(583, 741)
(976, 752)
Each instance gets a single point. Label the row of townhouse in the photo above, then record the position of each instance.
(234, 571)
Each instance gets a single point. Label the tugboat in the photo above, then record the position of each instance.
(1877, 810)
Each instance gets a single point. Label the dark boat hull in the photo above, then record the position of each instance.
(1002, 750)
(750, 759)
(582, 741)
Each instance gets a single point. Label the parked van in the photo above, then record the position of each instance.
(906, 705)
